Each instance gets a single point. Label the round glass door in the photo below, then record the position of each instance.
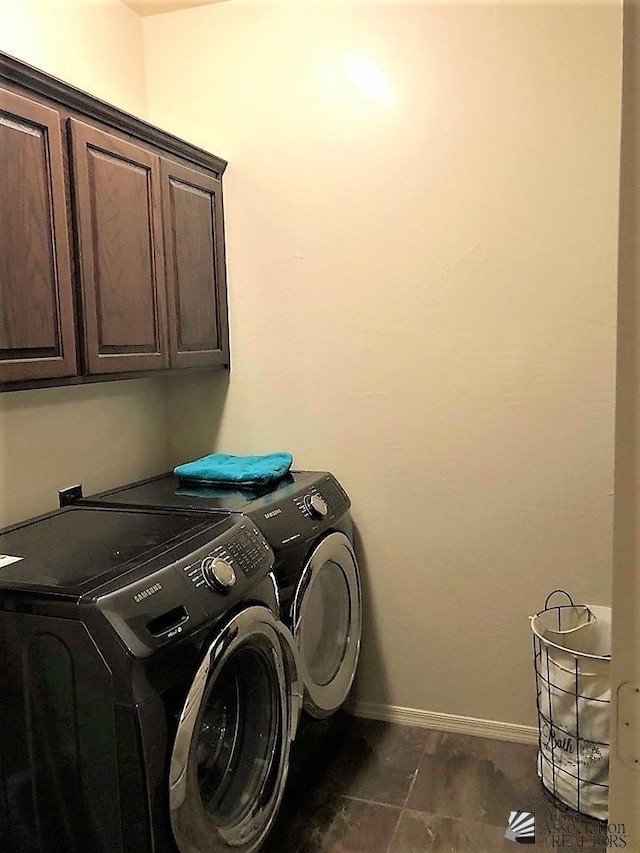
(324, 632)
(238, 735)
(327, 623)
(231, 750)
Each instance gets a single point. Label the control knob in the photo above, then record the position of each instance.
(218, 574)
(316, 506)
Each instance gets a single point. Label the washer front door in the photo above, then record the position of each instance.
(231, 753)
(327, 623)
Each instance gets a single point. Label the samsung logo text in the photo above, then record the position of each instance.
(150, 590)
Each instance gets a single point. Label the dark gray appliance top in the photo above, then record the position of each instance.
(283, 511)
(78, 548)
(168, 492)
(153, 576)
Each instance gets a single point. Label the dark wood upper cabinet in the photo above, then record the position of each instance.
(118, 219)
(37, 338)
(112, 258)
(195, 266)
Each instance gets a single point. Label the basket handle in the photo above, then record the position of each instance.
(562, 592)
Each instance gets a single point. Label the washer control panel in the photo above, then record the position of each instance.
(198, 580)
(242, 550)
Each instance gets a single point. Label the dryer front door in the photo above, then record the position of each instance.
(231, 752)
(327, 623)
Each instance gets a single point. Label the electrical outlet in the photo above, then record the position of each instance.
(70, 495)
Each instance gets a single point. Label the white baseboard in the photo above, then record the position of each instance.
(494, 729)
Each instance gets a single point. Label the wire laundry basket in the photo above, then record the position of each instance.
(571, 656)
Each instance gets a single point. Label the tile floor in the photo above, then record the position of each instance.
(363, 786)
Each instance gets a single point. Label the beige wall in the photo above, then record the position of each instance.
(95, 45)
(421, 217)
(103, 434)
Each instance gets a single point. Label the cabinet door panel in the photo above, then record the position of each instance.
(195, 263)
(121, 254)
(37, 337)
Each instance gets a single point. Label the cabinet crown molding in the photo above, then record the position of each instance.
(21, 74)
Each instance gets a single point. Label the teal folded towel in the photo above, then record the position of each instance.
(223, 468)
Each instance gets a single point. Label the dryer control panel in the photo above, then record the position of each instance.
(300, 510)
(198, 584)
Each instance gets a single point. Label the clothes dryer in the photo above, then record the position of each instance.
(306, 519)
(150, 692)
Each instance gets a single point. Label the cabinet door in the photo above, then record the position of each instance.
(195, 264)
(37, 336)
(117, 198)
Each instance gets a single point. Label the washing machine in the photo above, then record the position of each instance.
(150, 692)
(306, 519)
